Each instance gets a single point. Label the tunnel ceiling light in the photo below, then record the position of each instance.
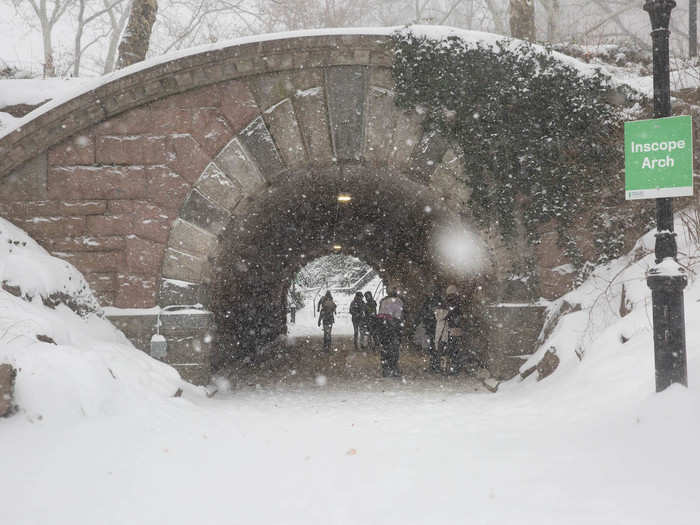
(337, 247)
(344, 197)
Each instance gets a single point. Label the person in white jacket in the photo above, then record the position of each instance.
(390, 321)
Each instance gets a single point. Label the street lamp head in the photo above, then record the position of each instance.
(659, 12)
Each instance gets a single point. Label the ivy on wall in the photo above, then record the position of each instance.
(541, 141)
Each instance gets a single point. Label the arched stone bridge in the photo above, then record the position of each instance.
(212, 178)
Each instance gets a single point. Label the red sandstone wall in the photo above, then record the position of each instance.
(112, 192)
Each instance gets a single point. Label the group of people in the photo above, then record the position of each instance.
(372, 325)
(363, 311)
(446, 325)
(443, 319)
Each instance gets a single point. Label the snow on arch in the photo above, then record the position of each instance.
(61, 92)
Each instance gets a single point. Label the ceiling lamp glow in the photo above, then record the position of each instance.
(337, 247)
(344, 197)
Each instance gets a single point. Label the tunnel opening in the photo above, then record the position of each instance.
(342, 275)
(385, 220)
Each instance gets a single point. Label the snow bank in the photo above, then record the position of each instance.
(79, 366)
(36, 90)
(609, 316)
(27, 266)
(90, 368)
(85, 85)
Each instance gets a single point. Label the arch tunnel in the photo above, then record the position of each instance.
(389, 223)
(213, 177)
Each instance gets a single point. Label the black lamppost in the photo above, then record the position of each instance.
(693, 28)
(666, 286)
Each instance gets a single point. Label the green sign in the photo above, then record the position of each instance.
(659, 158)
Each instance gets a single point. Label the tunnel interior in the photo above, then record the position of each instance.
(389, 223)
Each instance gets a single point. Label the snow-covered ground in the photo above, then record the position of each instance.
(101, 438)
(306, 320)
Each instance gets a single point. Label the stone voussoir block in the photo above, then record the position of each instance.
(346, 91)
(173, 292)
(282, 123)
(184, 266)
(187, 237)
(204, 213)
(218, 188)
(236, 163)
(259, 144)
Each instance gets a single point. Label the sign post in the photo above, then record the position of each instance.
(658, 168)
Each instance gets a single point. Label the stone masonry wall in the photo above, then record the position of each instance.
(106, 198)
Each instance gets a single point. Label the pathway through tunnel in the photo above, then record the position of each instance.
(363, 229)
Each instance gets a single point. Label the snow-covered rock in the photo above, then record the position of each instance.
(28, 270)
(69, 366)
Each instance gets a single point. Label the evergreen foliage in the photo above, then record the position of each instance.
(541, 142)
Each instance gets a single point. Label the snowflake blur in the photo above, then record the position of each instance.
(459, 252)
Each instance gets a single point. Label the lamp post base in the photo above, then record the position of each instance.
(667, 281)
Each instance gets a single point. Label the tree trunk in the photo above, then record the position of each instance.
(117, 25)
(497, 15)
(522, 19)
(49, 67)
(78, 40)
(553, 14)
(137, 36)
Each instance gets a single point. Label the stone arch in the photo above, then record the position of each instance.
(141, 181)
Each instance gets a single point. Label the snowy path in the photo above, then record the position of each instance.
(329, 455)
(303, 363)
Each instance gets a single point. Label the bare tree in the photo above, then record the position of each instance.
(552, 8)
(522, 19)
(85, 16)
(185, 23)
(135, 41)
(118, 17)
(304, 14)
(46, 13)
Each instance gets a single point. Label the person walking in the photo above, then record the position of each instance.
(370, 320)
(326, 316)
(455, 322)
(357, 314)
(427, 316)
(390, 320)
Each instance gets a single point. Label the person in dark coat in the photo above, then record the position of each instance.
(326, 316)
(370, 320)
(357, 313)
(426, 316)
(456, 324)
(390, 320)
